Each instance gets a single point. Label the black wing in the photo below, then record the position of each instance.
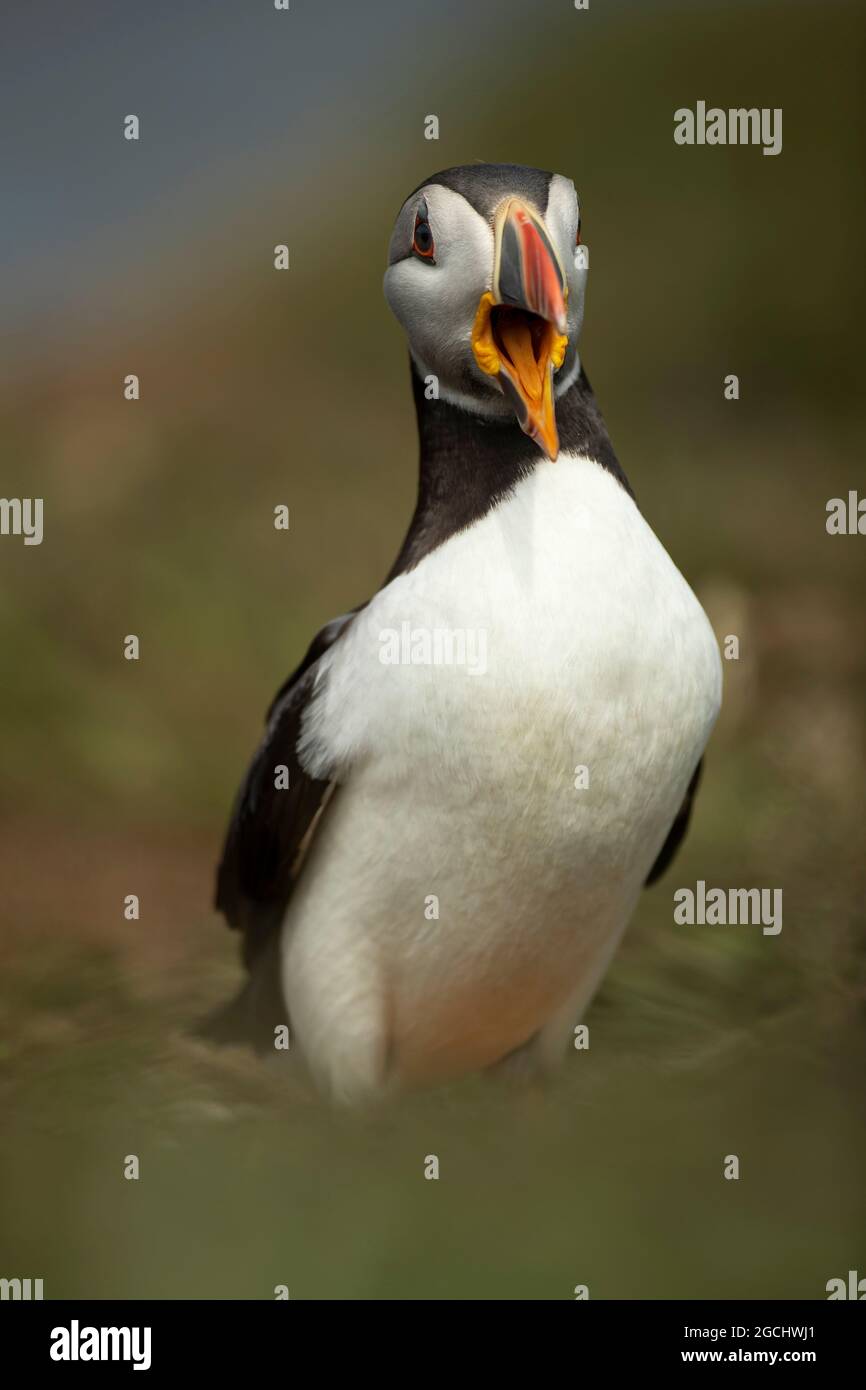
(270, 827)
(677, 832)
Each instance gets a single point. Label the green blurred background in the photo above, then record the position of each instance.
(261, 388)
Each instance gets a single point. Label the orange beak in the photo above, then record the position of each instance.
(519, 335)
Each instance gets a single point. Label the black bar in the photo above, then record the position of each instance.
(247, 1337)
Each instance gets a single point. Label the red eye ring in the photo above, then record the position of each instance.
(423, 244)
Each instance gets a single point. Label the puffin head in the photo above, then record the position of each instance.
(485, 275)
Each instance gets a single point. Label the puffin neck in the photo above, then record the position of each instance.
(469, 463)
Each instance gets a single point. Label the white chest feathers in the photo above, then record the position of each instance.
(513, 724)
(556, 632)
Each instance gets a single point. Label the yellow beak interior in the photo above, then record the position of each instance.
(523, 351)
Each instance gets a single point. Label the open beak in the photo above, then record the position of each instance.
(519, 335)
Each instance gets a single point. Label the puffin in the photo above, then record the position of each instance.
(463, 788)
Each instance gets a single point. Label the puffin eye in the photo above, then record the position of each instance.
(422, 240)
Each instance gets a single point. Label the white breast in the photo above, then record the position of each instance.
(583, 647)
